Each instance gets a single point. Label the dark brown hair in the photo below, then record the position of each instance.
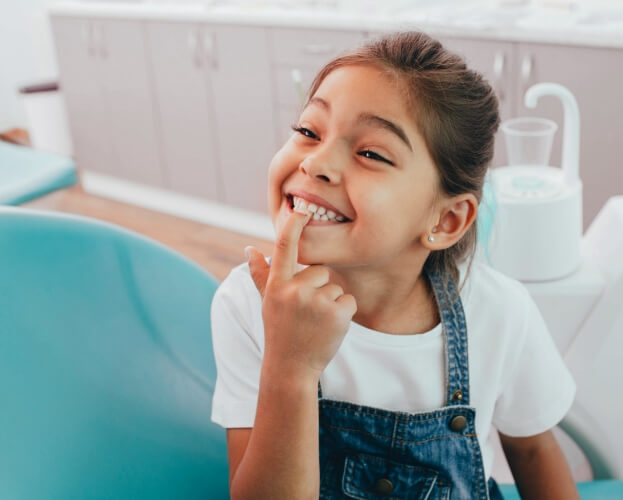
(454, 108)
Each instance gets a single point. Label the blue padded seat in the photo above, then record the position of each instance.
(598, 490)
(106, 365)
(26, 173)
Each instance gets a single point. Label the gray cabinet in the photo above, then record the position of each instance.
(107, 88)
(80, 65)
(241, 83)
(212, 86)
(185, 104)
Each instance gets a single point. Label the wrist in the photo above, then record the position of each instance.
(289, 375)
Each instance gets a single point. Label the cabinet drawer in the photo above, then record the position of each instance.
(309, 46)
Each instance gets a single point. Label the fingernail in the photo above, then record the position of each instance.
(247, 252)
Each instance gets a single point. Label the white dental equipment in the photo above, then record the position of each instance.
(538, 225)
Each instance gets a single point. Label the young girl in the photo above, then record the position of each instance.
(371, 358)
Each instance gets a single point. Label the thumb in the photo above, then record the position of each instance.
(259, 268)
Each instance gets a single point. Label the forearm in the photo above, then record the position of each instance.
(540, 470)
(281, 458)
(305, 319)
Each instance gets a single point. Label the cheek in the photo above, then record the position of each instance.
(377, 203)
(397, 213)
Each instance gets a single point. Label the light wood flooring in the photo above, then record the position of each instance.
(215, 249)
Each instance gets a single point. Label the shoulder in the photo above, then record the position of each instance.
(500, 313)
(238, 286)
(237, 299)
(486, 287)
(240, 275)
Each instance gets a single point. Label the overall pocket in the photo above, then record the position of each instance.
(368, 477)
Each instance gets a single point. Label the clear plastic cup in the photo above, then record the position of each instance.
(529, 140)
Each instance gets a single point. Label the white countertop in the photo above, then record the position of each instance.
(597, 26)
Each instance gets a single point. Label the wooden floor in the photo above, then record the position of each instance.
(214, 249)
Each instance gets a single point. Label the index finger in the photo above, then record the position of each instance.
(285, 257)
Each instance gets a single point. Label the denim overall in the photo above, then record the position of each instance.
(371, 453)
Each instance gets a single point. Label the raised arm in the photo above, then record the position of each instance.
(305, 320)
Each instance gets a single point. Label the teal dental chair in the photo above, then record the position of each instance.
(106, 365)
(26, 174)
(107, 373)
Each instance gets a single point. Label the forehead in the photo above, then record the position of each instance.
(366, 87)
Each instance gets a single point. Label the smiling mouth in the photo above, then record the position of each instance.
(320, 212)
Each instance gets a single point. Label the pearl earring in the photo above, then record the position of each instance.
(431, 238)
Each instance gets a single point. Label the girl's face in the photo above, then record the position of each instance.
(357, 154)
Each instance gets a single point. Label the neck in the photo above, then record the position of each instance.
(397, 301)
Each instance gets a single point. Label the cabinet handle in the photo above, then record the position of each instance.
(499, 67)
(209, 47)
(98, 46)
(193, 46)
(317, 49)
(87, 37)
(297, 80)
(527, 65)
(103, 47)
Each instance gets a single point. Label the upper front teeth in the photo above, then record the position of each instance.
(320, 213)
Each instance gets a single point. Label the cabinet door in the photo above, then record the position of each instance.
(240, 78)
(80, 76)
(185, 107)
(130, 101)
(496, 62)
(595, 77)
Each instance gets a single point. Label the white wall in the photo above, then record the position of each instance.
(26, 55)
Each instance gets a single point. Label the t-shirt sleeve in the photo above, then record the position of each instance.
(238, 349)
(539, 389)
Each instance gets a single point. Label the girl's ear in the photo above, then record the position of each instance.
(456, 216)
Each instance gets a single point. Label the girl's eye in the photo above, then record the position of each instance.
(374, 156)
(304, 131)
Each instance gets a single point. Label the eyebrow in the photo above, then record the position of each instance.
(369, 119)
(377, 121)
(319, 100)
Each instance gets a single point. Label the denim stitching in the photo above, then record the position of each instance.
(395, 431)
(415, 417)
(399, 440)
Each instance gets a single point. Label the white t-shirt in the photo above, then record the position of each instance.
(518, 381)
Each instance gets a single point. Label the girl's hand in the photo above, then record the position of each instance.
(305, 316)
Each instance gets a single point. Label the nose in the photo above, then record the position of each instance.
(323, 166)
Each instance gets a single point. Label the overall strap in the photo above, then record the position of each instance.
(455, 336)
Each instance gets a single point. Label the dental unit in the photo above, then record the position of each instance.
(575, 279)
